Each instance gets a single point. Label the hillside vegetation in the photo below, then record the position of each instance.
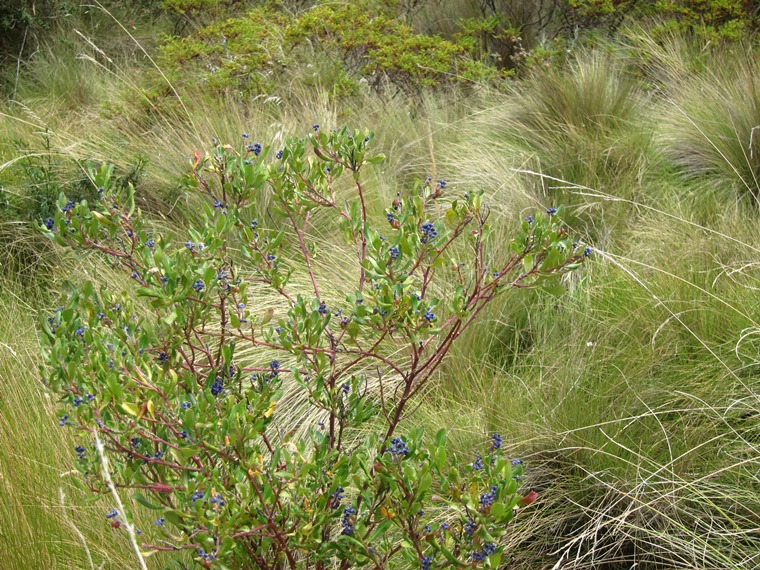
(633, 399)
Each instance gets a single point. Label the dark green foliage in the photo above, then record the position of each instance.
(361, 41)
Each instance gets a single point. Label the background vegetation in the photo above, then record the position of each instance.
(633, 399)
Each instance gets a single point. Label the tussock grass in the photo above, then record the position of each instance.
(584, 124)
(711, 132)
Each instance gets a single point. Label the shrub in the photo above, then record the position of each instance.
(187, 381)
(248, 54)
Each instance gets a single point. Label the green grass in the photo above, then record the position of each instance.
(633, 399)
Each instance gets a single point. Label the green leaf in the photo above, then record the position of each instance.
(131, 409)
(140, 498)
(148, 292)
(425, 483)
(173, 517)
(553, 287)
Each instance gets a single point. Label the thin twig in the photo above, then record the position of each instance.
(109, 483)
(18, 63)
(73, 526)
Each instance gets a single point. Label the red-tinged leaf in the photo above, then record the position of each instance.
(529, 498)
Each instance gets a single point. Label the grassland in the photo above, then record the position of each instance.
(634, 399)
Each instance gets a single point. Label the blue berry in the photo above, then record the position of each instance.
(77, 401)
(254, 224)
(516, 462)
(394, 251)
(315, 127)
(256, 149)
(442, 183)
(217, 204)
(162, 357)
(197, 496)
(391, 216)
(150, 243)
(245, 135)
(587, 252)
(426, 562)
(112, 514)
(346, 388)
(322, 309)
(429, 316)
(348, 521)
(336, 497)
(186, 405)
(199, 285)
(217, 387)
(487, 499)
(90, 397)
(69, 206)
(429, 232)
(496, 441)
(49, 223)
(80, 331)
(279, 155)
(80, 451)
(551, 211)
(159, 522)
(398, 447)
(478, 464)
(529, 219)
(470, 527)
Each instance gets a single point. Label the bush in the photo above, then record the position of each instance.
(248, 54)
(263, 416)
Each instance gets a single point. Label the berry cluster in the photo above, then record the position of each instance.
(398, 447)
(217, 387)
(429, 232)
(487, 499)
(488, 549)
(348, 521)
